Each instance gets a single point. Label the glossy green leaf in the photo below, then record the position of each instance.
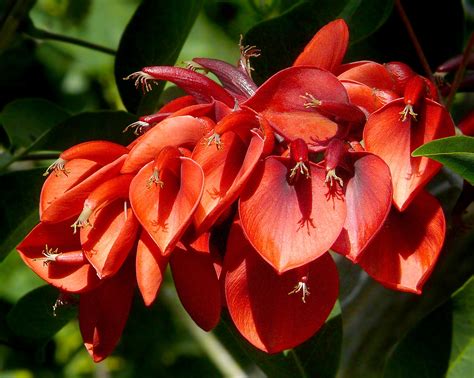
(282, 38)
(19, 200)
(100, 125)
(32, 319)
(317, 357)
(442, 344)
(154, 36)
(25, 120)
(456, 153)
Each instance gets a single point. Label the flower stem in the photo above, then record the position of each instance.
(460, 71)
(44, 34)
(298, 363)
(414, 39)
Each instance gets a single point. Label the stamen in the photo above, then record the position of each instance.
(49, 254)
(331, 176)
(215, 139)
(155, 179)
(57, 167)
(193, 66)
(247, 52)
(141, 80)
(303, 169)
(64, 299)
(303, 287)
(138, 127)
(311, 101)
(408, 110)
(83, 219)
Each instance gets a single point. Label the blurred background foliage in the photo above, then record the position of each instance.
(41, 57)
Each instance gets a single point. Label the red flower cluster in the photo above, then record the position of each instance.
(242, 190)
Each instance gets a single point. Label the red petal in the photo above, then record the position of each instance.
(226, 171)
(258, 300)
(62, 197)
(110, 239)
(103, 312)
(196, 282)
(372, 74)
(182, 131)
(67, 277)
(165, 213)
(404, 252)
(368, 199)
(370, 99)
(151, 267)
(290, 225)
(394, 140)
(280, 101)
(327, 48)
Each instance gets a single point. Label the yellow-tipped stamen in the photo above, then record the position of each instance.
(311, 101)
(155, 179)
(303, 169)
(303, 287)
(83, 219)
(141, 79)
(49, 254)
(215, 139)
(58, 166)
(331, 177)
(408, 110)
(247, 52)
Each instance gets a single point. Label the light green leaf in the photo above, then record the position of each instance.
(456, 153)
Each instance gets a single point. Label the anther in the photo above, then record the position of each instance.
(311, 101)
(408, 110)
(302, 287)
(138, 126)
(83, 219)
(301, 168)
(214, 139)
(331, 177)
(155, 179)
(58, 166)
(49, 254)
(141, 80)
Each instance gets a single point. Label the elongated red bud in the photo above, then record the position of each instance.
(52, 255)
(202, 88)
(100, 151)
(333, 158)
(454, 63)
(343, 111)
(230, 76)
(415, 91)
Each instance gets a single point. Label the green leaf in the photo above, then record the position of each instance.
(154, 36)
(442, 344)
(19, 198)
(281, 39)
(100, 125)
(32, 320)
(456, 153)
(317, 357)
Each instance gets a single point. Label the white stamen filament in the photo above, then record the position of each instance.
(303, 287)
(331, 176)
(57, 166)
(138, 127)
(303, 169)
(141, 79)
(408, 110)
(83, 219)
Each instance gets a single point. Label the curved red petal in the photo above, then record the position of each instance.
(196, 282)
(259, 302)
(368, 198)
(372, 74)
(182, 131)
(165, 213)
(404, 252)
(369, 99)
(111, 237)
(290, 225)
(67, 277)
(393, 139)
(62, 197)
(226, 171)
(281, 101)
(103, 312)
(327, 48)
(150, 266)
